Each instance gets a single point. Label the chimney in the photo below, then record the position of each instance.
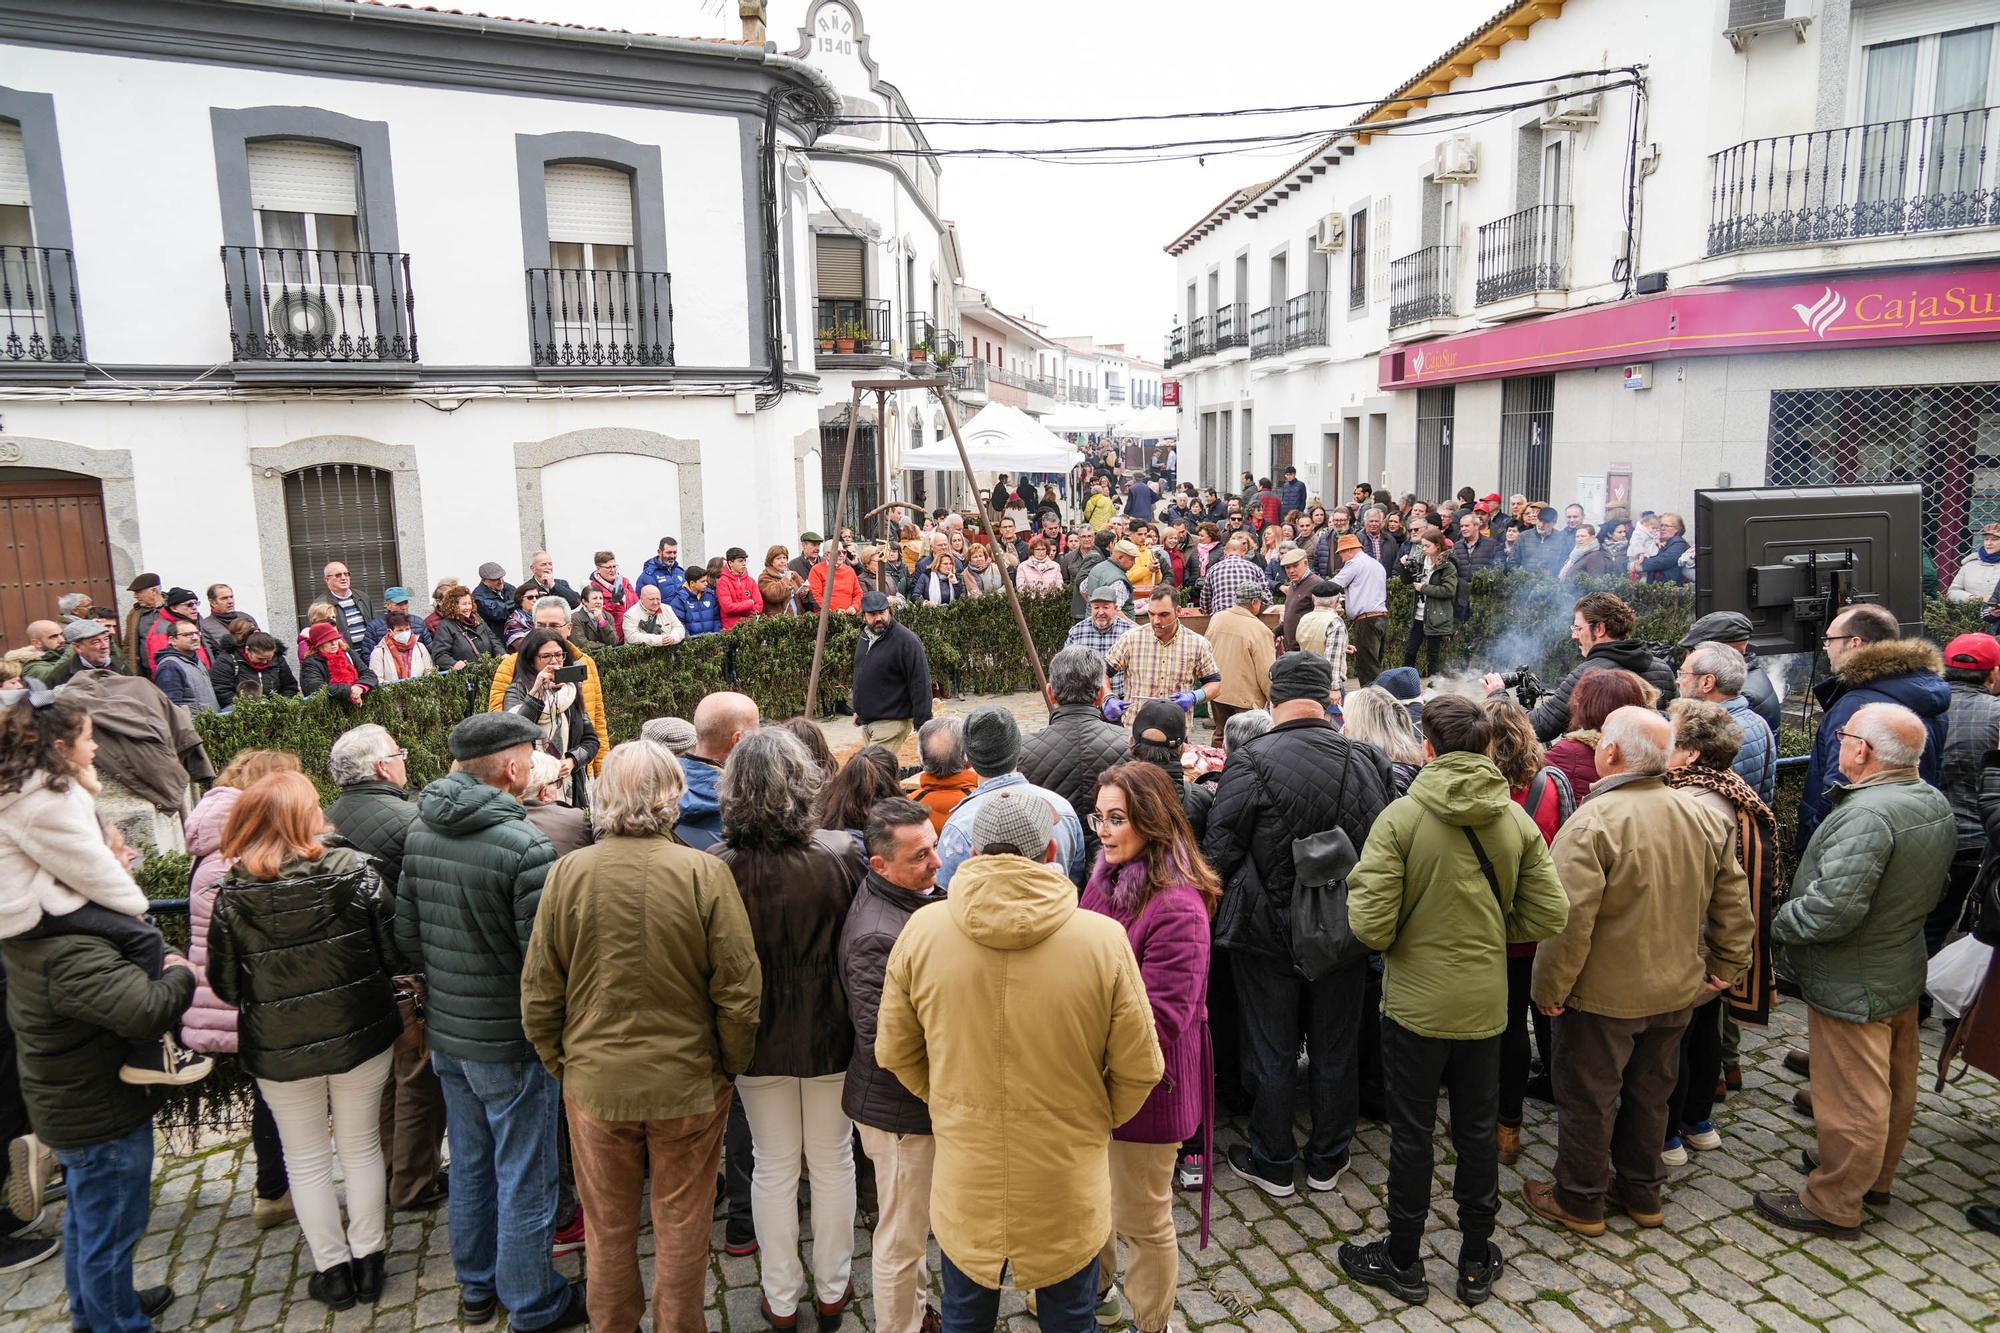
(752, 14)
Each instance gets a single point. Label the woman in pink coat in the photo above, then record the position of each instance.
(210, 1025)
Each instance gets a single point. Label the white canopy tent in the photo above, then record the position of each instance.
(1148, 423)
(999, 438)
(1077, 418)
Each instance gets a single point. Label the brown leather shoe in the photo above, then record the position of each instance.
(1614, 1199)
(1510, 1144)
(1732, 1077)
(783, 1322)
(830, 1315)
(933, 1322)
(1802, 1102)
(1788, 1210)
(1540, 1197)
(1798, 1062)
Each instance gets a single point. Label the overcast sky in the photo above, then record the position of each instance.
(1078, 247)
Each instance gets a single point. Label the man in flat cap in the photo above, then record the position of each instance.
(147, 603)
(87, 644)
(892, 677)
(465, 906)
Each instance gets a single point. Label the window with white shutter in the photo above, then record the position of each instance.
(16, 224)
(589, 205)
(298, 176)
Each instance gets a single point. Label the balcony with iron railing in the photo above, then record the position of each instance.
(1890, 178)
(971, 376)
(1114, 393)
(1176, 347)
(1201, 338)
(1266, 335)
(919, 330)
(327, 306)
(1304, 322)
(1524, 254)
(855, 328)
(1422, 286)
(1232, 327)
(587, 318)
(1081, 393)
(41, 316)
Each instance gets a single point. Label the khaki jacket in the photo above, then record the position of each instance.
(1244, 651)
(1657, 902)
(641, 988)
(1022, 1020)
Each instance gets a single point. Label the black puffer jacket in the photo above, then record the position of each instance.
(1297, 779)
(472, 877)
(307, 960)
(315, 675)
(454, 643)
(798, 899)
(234, 677)
(1551, 716)
(872, 1096)
(1067, 757)
(375, 817)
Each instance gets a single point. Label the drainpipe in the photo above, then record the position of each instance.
(767, 186)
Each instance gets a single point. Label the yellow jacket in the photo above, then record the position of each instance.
(1098, 511)
(593, 698)
(1022, 1020)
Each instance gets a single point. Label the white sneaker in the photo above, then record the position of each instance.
(1675, 1153)
(1702, 1136)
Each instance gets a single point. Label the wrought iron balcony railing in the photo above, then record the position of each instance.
(919, 330)
(1047, 388)
(288, 304)
(1176, 347)
(1422, 286)
(41, 318)
(1266, 337)
(1201, 337)
(856, 326)
(600, 317)
(1929, 173)
(1082, 393)
(1114, 393)
(1524, 252)
(1305, 321)
(971, 376)
(1232, 327)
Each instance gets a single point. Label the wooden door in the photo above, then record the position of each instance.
(52, 541)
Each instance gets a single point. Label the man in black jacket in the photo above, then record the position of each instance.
(373, 813)
(895, 1125)
(1077, 745)
(1601, 626)
(75, 1006)
(892, 677)
(1299, 779)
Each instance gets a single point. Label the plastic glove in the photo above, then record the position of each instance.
(1114, 708)
(1186, 700)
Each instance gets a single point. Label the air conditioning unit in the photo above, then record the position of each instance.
(307, 314)
(1747, 18)
(1569, 113)
(1331, 233)
(1457, 159)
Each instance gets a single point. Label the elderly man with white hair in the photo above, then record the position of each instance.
(1852, 936)
(1715, 673)
(1659, 919)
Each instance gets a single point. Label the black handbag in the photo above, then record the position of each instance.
(1322, 938)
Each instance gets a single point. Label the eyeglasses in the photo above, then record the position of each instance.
(1098, 823)
(1854, 736)
(393, 755)
(1836, 638)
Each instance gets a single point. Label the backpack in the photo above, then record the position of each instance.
(1538, 791)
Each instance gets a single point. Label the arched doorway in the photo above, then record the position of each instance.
(52, 541)
(345, 512)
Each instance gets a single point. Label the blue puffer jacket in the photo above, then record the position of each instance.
(700, 824)
(669, 579)
(1899, 671)
(1757, 762)
(701, 615)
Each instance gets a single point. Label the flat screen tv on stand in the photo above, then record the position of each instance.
(1790, 557)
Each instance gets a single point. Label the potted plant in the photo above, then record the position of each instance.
(945, 357)
(920, 352)
(844, 336)
(826, 339)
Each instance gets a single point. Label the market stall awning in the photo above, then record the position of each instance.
(1077, 418)
(999, 439)
(1148, 423)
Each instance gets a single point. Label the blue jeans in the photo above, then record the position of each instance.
(502, 1121)
(1068, 1306)
(110, 1196)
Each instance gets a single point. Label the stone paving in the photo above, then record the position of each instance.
(1270, 1267)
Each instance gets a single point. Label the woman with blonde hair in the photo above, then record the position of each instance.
(209, 1026)
(982, 573)
(301, 944)
(1378, 717)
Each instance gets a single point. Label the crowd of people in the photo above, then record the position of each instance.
(1039, 980)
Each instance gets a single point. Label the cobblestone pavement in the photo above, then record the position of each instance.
(1715, 1265)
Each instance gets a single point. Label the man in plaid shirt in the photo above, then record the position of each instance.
(1231, 574)
(1170, 661)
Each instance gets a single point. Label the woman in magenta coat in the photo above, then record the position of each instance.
(1151, 879)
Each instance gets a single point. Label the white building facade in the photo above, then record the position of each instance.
(1775, 262)
(405, 288)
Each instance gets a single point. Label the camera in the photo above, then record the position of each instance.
(1527, 687)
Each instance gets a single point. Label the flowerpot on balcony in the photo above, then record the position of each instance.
(921, 352)
(843, 345)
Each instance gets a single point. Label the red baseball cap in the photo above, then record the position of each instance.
(1979, 652)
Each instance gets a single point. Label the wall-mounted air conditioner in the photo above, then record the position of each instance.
(1456, 159)
(1748, 18)
(1331, 233)
(1570, 113)
(308, 314)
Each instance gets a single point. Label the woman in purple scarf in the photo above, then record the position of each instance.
(1151, 879)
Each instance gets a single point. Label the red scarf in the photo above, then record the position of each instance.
(401, 653)
(340, 669)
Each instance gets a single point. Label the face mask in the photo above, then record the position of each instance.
(403, 636)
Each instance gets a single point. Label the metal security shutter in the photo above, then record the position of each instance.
(1920, 18)
(13, 166)
(345, 512)
(1435, 409)
(589, 204)
(1527, 420)
(840, 272)
(294, 176)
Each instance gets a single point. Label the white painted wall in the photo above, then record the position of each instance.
(609, 502)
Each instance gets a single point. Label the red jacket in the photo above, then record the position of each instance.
(846, 586)
(619, 597)
(738, 596)
(157, 639)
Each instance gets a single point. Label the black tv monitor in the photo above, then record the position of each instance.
(1789, 557)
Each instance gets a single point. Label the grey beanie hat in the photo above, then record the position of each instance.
(992, 741)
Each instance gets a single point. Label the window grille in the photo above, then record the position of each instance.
(344, 512)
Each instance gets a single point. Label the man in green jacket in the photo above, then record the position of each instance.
(1852, 936)
(465, 907)
(1451, 875)
(75, 1006)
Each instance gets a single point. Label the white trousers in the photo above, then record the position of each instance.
(300, 1108)
(795, 1120)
